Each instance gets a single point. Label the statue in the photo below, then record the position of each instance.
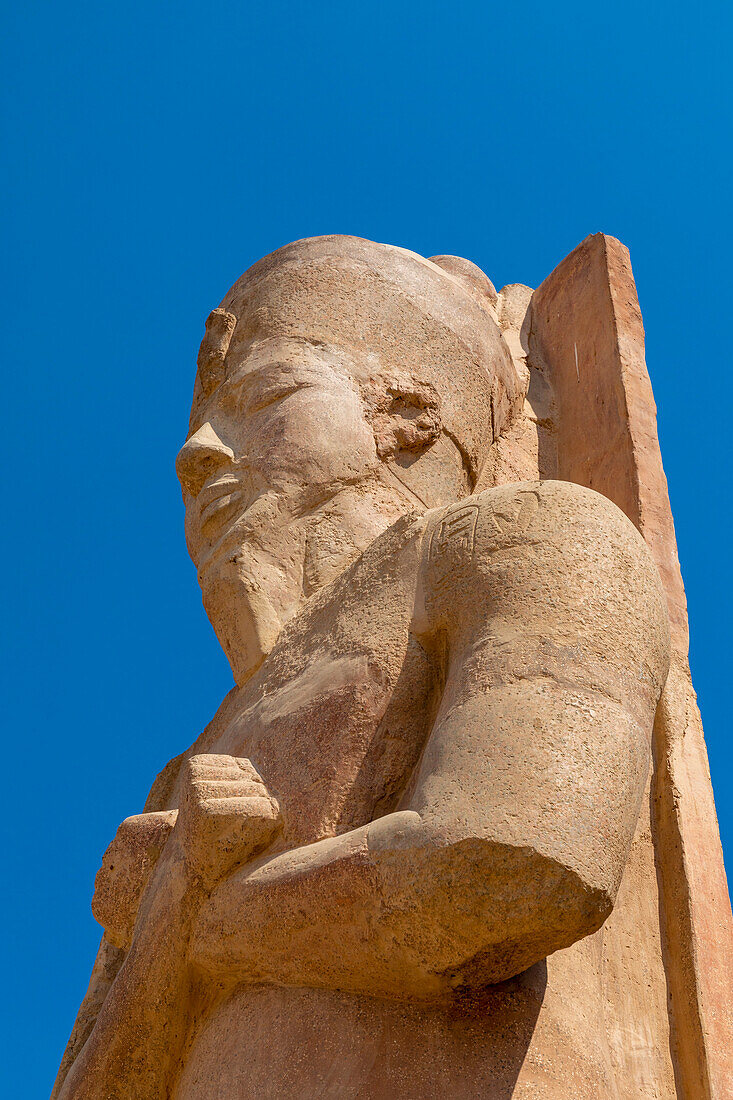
(387, 866)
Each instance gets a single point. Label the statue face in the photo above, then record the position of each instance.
(281, 434)
(275, 442)
(341, 384)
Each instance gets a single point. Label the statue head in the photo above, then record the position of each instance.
(340, 385)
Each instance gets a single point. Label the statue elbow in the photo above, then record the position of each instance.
(505, 908)
(475, 910)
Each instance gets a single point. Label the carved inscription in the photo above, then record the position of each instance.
(514, 516)
(453, 542)
(486, 524)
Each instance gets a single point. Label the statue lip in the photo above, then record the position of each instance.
(217, 496)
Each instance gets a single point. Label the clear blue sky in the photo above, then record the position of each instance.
(152, 152)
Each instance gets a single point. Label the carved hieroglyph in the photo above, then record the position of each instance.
(450, 835)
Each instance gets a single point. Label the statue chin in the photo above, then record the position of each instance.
(242, 615)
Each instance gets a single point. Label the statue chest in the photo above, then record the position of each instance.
(336, 743)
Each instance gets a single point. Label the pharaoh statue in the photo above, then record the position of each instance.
(451, 834)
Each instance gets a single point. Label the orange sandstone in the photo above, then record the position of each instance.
(452, 832)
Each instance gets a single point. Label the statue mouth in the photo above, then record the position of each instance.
(217, 501)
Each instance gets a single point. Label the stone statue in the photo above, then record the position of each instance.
(388, 867)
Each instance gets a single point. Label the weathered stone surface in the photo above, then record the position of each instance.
(413, 855)
(589, 303)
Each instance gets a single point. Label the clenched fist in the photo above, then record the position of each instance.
(226, 815)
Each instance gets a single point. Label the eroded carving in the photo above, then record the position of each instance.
(430, 772)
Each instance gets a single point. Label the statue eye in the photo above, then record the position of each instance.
(270, 395)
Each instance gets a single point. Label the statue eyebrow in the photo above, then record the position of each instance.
(283, 377)
(278, 392)
(236, 383)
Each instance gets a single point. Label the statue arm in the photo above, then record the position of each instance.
(125, 872)
(226, 816)
(106, 965)
(513, 835)
(121, 881)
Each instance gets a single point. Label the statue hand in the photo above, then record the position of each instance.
(226, 816)
(126, 868)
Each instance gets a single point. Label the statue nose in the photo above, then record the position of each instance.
(200, 457)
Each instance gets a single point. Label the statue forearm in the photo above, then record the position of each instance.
(226, 815)
(365, 911)
(417, 903)
(142, 1023)
(106, 967)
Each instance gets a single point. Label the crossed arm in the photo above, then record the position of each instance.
(511, 839)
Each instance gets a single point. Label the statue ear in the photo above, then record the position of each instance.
(405, 415)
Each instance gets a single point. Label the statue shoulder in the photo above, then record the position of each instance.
(480, 523)
(520, 513)
(501, 537)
